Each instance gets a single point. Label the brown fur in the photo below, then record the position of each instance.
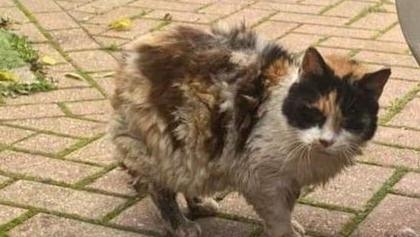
(343, 66)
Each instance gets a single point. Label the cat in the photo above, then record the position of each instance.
(198, 112)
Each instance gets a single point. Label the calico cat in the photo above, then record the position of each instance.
(199, 112)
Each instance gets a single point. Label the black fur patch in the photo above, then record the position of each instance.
(359, 108)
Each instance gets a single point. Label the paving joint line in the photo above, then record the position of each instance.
(76, 217)
(374, 201)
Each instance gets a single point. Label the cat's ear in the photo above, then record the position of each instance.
(375, 81)
(312, 64)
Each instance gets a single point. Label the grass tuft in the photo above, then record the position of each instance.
(16, 52)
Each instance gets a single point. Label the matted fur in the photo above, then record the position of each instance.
(198, 112)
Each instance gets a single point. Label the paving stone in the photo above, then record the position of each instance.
(235, 204)
(60, 199)
(373, 45)
(409, 184)
(298, 42)
(247, 15)
(348, 9)
(93, 60)
(99, 151)
(44, 167)
(90, 107)
(99, 117)
(9, 135)
(167, 5)
(62, 67)
(74, 39)
(81, 17)
(217, 227)
(140, 26)
(345, 190)
(55, 20)
(7, 3)
(106, 83)
(63, 227)
(70, 94)
(376, 20)
(95, 29)
(309, 19)
(64, 82)
(101, 6)
(116, 181)
(50, 51)
(335, 31)
(64, 125)
(395, 89)
(389, 8)
(9, 213)
(385, 58)
(182, 16)
(68, 5)
(31, 31)
(14, 14)
(409, 116)
(142, 216)
(394, 34)
(272, 30)
(40, 5)
(46, 143)
(284, 7)
(325, 222)
(385, 155)
(406, 73)
(110, 41)
(392, 214)
(328, 51)
(398, 136)
(118, 13)
(3, 179)
(28, 111)
(320, 2)
(222, 8)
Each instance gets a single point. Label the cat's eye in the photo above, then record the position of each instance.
(312, 115)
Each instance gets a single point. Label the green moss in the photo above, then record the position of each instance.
(16, 52)
(113, 47)
(17, 221)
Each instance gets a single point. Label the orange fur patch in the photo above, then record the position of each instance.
(276, 72)
(330, 108)
(343, 66)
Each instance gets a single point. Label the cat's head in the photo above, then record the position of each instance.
(333, 105)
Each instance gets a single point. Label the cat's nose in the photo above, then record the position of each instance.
(326, 142)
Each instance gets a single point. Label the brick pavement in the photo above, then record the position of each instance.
(57, 177)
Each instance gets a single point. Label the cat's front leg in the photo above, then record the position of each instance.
(275, 208)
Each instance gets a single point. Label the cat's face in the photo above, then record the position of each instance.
(330, 111)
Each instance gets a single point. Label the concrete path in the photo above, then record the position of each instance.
(57, 178)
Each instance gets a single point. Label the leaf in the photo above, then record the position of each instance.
(48, 60)
(8, 76)
(74, 76)
(121, 24)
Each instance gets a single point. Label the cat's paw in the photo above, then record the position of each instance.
(298, 229)
(203, 207)
(189, 229)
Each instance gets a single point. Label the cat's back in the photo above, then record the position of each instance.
(189, 81)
